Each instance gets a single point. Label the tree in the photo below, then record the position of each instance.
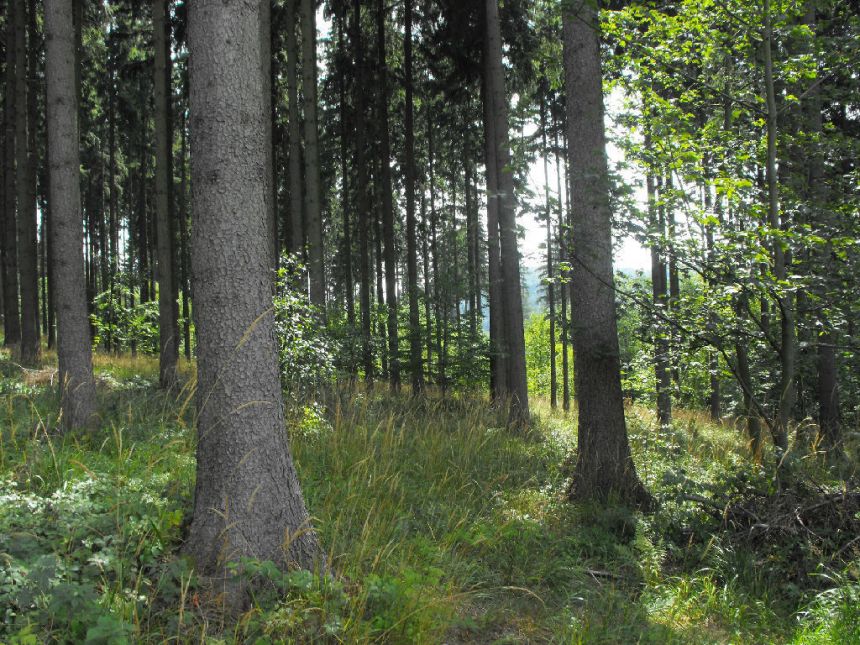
(11, 312)
(74, 352)
(26, 182)
(411, 239)
(167, 319)
(247, 502)
(604, 466)
(511, 309)
(313, 208)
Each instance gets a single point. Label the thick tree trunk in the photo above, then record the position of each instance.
(26, 164)
(168, 327)
(387, 203)
(509, 252)
(604, 466)
(74, 352)
(411, 241)
(11, 312)
(247, 499)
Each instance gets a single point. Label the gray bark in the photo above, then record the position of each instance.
(74, 351)
(411, 239)
(11, 312)
(248, 502)
(390, 253)
(604, 466)
(297, 234)
(788, 346)
(509, 252)
(313, 207)
(168, 325)
(26, 187)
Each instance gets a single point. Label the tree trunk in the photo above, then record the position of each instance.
(562, 245)
(788, 347)
(313, 207)
(604, 466)
(297, 234)
(498, 325)
(662, 364)
(509, 253)
(411, 241)
(26, 162)
(74, 351)
(183, 235)
(11, 312)
(363, 196)
(550, 290)
(387, 203)
(168, 326)
(247, 501)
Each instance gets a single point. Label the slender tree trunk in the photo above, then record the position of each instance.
(604, 466)
(380, 291)
(662, 363)
(425, 253)
(247, 500)
(26, 164)
(387, 203)
(562, 245)
(550, 290)
(411, 241)
(346, 204)
(167, 324)
(183, 235)
(11, 312)
(509, 253)
(313, 208)
(74, 351)
(498, 325)
(363, 196)
(788, 348)
(297, 234)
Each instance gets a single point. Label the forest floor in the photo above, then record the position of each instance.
(440, 527)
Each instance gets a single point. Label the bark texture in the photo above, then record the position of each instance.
(247, 498)
(11, 312)
(168, 324)
(604, 467)
(512, 305)
(313, 207)
(26, 180)
(74, 351)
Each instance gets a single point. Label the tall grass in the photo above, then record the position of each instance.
(439, 526)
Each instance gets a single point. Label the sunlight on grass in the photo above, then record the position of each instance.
(439, 525)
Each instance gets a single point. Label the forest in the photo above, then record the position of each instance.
(453, 321)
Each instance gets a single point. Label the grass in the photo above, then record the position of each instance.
(440, 525)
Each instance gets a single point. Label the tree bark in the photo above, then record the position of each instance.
(168, 327)
(11, 311)
(411, 240)
(788, 347)
(26, 165)
(297, 234)
(74, 351)
(362, 197)
(550, 290)
(390, 252)
(604, 466)
(509, 253)
(313, 207)
(247, 502)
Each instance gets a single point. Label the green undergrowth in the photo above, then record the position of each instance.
(439, 526)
